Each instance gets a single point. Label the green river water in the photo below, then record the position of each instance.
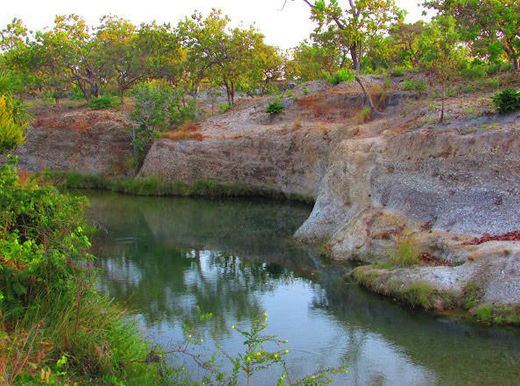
(169, 259)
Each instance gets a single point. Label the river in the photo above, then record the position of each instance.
(175, 261)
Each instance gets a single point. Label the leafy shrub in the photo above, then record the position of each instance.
(47, 295)
(474, 72)
(495, 68)
(275, 107)
(343, 75)
(224, 107)
(42, 237)
(417, 85)
(104, 102)
(484, 313)
(13, 122)
(507, 100)
(398, 71)
(493, 82)
(158, 107)
(419, 294)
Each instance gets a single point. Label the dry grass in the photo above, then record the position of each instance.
(189, 130)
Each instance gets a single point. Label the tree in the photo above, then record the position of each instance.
(68, 50)
(311, 61)
(491, 27)
(117, 51)
(441, 52)
(405, 37)
(164, 54)
(231, 58)
(354, 22)
(13, 35)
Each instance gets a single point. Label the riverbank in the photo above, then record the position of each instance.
(155, 187)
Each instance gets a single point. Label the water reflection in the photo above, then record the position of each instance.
(170, 259)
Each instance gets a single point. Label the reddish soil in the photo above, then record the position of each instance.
(486, 237)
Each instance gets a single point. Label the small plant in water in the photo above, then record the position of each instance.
(255, 358)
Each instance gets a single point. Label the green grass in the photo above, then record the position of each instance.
(100, 344)
(419, 295)
(406, 252)
(155, 187)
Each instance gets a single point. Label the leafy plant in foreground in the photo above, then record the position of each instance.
(507, 100)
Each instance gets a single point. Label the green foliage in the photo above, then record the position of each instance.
(419, 294)
(42, 240)
(10, 83)
(406, 252)
(342, 75)
(158, 107)
(484, 313)
(275, 107)
(61, 328)
(474, 71)
(472, 295)
(507, 100)
(224, 107)
(489, 27)
(311, 61)
(13, 123)
(398, 71)
(104, 102)
(417, 85)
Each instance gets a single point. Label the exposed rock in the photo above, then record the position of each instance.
(84, 141)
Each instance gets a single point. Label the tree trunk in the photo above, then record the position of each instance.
(441, 120)
(228, 92)
(356, 61)
(516, 66)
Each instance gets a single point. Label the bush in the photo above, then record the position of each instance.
(158, 107)
(474, 72)
(417, 85)
(343, 75)
(275, 107)
(507, 100)
(398, 71)
(224, 107)
(104, 102)
(13, 122)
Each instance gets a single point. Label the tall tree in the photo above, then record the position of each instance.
(355, 21)
(117, 52)
(69, 47)
(491, 27)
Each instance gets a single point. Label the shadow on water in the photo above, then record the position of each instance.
(168, 258)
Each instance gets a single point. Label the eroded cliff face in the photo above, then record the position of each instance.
(438, 185)
(80, 140)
